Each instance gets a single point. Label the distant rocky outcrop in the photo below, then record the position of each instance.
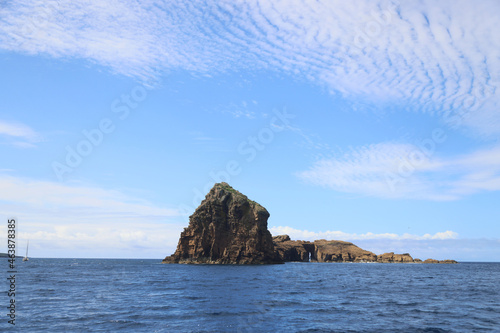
(337, 251)
(431, 261)
(227, 228)
(392, 258)
(340, 251)
(448, 261)
(320, 251)
(434, 261)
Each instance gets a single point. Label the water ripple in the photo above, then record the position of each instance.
(62, 295)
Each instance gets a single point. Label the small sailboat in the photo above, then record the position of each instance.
(26, 257)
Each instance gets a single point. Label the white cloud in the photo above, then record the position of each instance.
(297, 234)
(91, 201)
(441, 245)
(62, 220)
(243, 109)
(18, 134)
(441, 56)
(128, 238)
(392, 170)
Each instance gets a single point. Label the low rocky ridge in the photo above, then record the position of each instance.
(338, 251)
(227, 228)
(392, 257)
(320, 251)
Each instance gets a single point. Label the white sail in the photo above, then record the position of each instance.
(26, 257)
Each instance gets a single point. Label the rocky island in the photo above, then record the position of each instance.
(229, 228)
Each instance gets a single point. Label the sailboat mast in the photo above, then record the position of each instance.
(26, 257)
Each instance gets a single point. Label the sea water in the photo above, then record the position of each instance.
(106, 295)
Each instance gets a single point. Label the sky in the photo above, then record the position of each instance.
(375, 122)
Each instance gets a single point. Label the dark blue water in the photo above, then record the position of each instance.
(86, 295)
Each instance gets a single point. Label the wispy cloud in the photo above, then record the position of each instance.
(208, 142)
(441, 57)
(243, 109)
(18, 134)
(77, 200)
(105, 239)
(201, 138)
(339, 235)
(392, 170)
(86, 221)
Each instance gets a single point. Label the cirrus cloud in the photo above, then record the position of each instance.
(437, 57)
(18, 134)
(85, 221)
(391, 170)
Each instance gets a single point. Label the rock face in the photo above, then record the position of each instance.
(320, 251)
(392, 257)
(431, 261)
(448, 261)
(338, 251)
(290, 250)
(227, 228)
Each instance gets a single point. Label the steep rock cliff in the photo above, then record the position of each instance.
(227, 228)
(320, 251)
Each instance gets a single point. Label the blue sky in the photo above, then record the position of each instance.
(374, 122)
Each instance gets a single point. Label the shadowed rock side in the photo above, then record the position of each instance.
(320, 251)
(338, 251)
(227, 228)
(290, 250)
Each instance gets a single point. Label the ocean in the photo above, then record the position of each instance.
(108, 295)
